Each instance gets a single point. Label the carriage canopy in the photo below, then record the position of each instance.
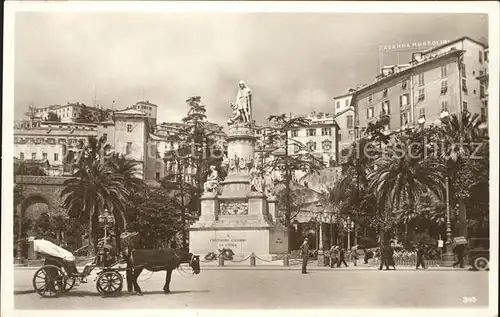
(47, 247)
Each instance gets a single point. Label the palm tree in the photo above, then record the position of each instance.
(400, 177)
(96, 186)
(94, 189)
(460, 133)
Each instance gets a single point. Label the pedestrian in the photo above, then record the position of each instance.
(459, 252)
(390, 257)
(384, 256)
(420, 256)
(333, 256)
(304, 248)
(354, 255)
(341, 257)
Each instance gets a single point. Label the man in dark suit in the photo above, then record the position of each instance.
(459, 252)
(420, 256)
(304, 248)
(385, 251)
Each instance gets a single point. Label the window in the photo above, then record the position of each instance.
(295, 133)
(33, 156)
(56, 157)
(421, 79)
(384, 93)
(480, 56)
(482, 91)
(444, 87)
(338, 104)
(370, 99)
(129, 128)
(44, 156)
(404, 84)
(311, 146)
(129, 148)
(326, 145)
(386, 110)
(404, 118)
(464, 71)
(326, 131)
(347, 103)
(421, 94)
(339, 137)
(486, 56)
(369, 113)
(444, 106)
(444, 71)
(464, 106)
(421, 113)
(404, 100)
(350, 122)
(483, 114)
(311, 132)
(464, 85)
(21, 156)
(157, 176)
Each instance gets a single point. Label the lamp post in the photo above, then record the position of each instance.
(349, 224)
(106, 218)
(448, 258)
(321, 217)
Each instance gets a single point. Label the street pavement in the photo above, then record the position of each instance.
(273, 287)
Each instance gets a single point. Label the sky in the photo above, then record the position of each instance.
(293, 62)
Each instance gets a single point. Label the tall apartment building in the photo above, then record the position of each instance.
(484, 80)
(442, 79)
(344, 116)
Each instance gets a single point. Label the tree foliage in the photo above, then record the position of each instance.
(157, 216)
(53, 117)
(85, 116)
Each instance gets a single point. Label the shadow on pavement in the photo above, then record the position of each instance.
(174, 292)
(30, 291)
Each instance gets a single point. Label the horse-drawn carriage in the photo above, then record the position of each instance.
(59, 273)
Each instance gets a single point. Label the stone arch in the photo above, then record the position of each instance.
(32, 199)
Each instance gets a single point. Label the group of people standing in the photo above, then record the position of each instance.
(337, 256)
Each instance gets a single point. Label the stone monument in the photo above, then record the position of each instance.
(239, 212)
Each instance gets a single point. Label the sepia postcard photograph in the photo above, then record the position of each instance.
(274, 158)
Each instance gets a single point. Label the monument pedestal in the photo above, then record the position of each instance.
(239, 219)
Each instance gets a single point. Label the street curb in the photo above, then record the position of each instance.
(288, 268)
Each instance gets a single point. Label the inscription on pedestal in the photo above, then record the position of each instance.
(234, 208)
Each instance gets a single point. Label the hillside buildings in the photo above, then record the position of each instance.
(442, 80)
(132, 132)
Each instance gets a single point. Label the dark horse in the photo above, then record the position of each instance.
(154, 261)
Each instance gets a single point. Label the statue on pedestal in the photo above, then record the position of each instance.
(242, 107)
(256, 180)
(212, 183)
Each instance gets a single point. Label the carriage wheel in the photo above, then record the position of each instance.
(109, 283)
(49, 281)
(70, 282)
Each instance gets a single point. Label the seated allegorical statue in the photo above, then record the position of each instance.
(212, 183)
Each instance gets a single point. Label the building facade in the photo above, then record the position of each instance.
(68, 112)
(344, 116)
(439, 80)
